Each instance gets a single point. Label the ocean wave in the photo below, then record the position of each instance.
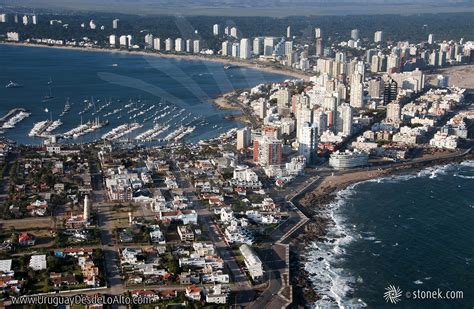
(334, 284)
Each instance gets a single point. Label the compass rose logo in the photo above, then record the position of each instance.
(392, 294)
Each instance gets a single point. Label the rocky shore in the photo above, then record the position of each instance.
(323, 195)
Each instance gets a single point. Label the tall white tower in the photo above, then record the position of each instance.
(86, 215)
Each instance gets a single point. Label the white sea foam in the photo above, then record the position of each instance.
(334, 284)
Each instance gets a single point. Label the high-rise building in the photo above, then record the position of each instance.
(431, 38)
(197, 46)
(393, 112)
(245, 52)
(92, 25)
(317, 33)
(303, 114)
(157, 44)
(319, 47)
(268, 45)
(346, 119)
(34, 19)
(267, 150)
(378, 37)
(149, 40)
(390, 91)
(226, 48)
(112, 40)
(236, 50)
(258, 46)
(3, 18)
(376, 87)
(357, 91)
(16, 19)
(393, 63)
(244, 138)
(355, 34)
(115, 23)
(26, 20)
(234, 32)
(87, 209)
(288, 32)
(320, 120)
(375, 64)
(283, 97)
(216, 29)
(178, 45)
(288, 47)
(189, 46)
(308, 142)
(125, 41)
(169, 44)
(262, 109)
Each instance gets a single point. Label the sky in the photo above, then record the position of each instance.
(276, 8)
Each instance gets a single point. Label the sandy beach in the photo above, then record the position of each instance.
(225, 61)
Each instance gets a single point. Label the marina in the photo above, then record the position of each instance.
(87, 104)
(13, 117)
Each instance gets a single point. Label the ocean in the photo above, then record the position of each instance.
(98, 83)
(414, 232)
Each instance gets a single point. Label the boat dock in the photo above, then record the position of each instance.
(11, 114)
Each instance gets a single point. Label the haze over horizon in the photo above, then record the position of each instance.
(275, 8)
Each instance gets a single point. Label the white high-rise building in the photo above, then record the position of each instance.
(393, 63)
(245, 52)
(378, 37)
(196, 46)
(216, 29)
(234, 32)
(357, 91)
(115, 23)
(189, 46)
(112, 40)
(125, 40)
(26, 20)
(288, 32)
(303, 114)
(244, 138)
(178, 45)
(87, 206)
(317, 33)
(169, 44)
(34, 19)
(226, 48)
(3, 18)
(355, 34)
(346, 119)
(308, 142)
(258, 46)
(157, 44)
(149, 40)
(288, 47)
(431, 38)
(236, 50)
(268, 45)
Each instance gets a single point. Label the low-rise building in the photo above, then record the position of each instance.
(252, 262)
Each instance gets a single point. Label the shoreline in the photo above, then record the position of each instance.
(192, 57)
(314, 202)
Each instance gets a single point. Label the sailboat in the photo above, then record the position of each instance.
(49, 97)
(67, 108)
